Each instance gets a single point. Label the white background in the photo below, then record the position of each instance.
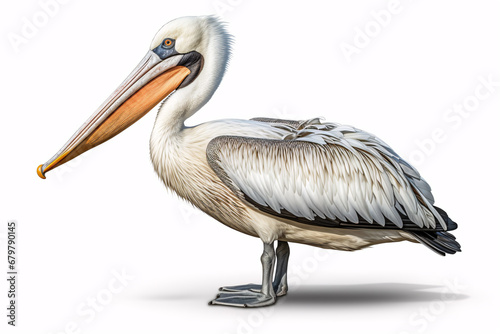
(107, 211)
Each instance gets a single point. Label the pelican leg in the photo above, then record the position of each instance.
(252, 297)
(280, 284)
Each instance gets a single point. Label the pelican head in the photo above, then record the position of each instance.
(187, 56)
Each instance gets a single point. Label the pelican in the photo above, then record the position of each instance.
(311, 182)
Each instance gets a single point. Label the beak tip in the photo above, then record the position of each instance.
(40, 172)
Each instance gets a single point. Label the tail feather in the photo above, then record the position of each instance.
(447, 239)
(441, 242)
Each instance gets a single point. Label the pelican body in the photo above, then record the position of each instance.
(310, 182)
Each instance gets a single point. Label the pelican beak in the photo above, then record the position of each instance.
(148, 84)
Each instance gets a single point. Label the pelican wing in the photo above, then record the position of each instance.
(326, 175)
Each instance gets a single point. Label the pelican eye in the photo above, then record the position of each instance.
(166, 48)
(168, 43)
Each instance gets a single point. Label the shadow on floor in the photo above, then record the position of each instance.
(368, 293)
(349, 294)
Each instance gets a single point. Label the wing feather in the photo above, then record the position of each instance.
(324, 173)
